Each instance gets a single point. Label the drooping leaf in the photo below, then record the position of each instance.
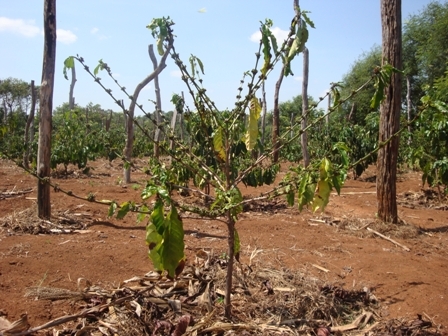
(154, 241)
(235, 198)
(252, 130)
(322, 196)
(69, 63)
(218, 143)
(324, 169)
(290, 197)
(307, 19)
(124, 209)
(142, 215)
(172, 249)
(265, 36)
(98, 67)
(149, 191)
(201, 65)
(112, 208)
(157, 217)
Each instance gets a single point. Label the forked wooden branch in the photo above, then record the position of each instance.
(389, 239)
(68, 318)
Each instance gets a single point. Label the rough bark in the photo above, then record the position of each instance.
(29, 136)
(305, 107)
(409, 107)
(127, 152)
(276, 117)
(389, 112)
(71, 98)
(173, 127)
(46, 107)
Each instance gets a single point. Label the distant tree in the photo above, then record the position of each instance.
(389, 112)
(46, 109)
(15, 96)
(425, 48)
(360, 72)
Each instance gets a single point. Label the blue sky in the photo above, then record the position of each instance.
(220, 33)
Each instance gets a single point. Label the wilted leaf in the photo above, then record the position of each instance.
(68, 64)
(218, 143)
(172, 249)
(112, 209)
(124, 209)
(252, 130)
(322, 195)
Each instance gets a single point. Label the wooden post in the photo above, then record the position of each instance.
(29, 136)
(46, 108)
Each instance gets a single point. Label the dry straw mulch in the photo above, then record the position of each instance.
(264, 302)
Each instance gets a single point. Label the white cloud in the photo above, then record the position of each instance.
(65, 36)
(298, 78)
(176, 73)
(18, 26)
(95, 30)
(29, 29)
(279, 34)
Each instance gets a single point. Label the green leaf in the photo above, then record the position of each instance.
(69, 63)
(141, 216)
(322, 196)
(235, 198)
(201, 65)
(112, 208)
(218, 144)
(324, 169)
(172, 249)
(290, 197)
(157, 216)
(265, 36)
(98, 67)
(252, 130)
(154, 241)
(307, 19)
(124, 209)
(149, 191)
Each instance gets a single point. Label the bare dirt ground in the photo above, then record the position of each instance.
(109, 251)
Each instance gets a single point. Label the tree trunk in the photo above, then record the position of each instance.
(108, 120)
(46, 108)
(229, 275)
(127, 152)
(173, 127)
(389, 112)
(157, 115)
(276, 117)
(71, 99)
(409, 107)
(305, 107)
(327, 117)
(29, 136)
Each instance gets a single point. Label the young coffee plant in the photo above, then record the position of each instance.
(222, 153)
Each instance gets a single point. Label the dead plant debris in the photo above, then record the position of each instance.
(264, 302)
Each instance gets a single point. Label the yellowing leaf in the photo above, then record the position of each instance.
(321, 196)
(252, 130)
(218, 144)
